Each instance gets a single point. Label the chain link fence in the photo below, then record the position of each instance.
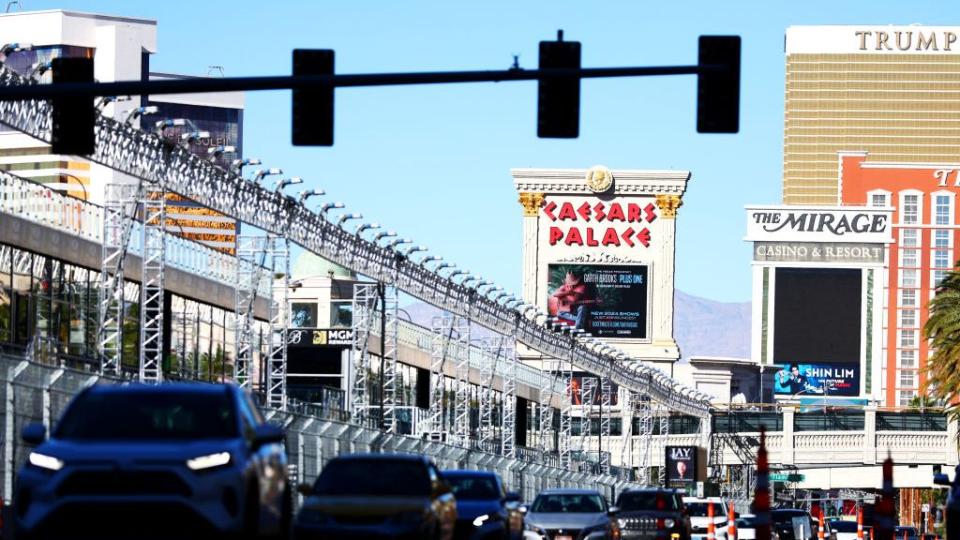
(34, 392)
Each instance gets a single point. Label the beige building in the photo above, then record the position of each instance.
(887, 90)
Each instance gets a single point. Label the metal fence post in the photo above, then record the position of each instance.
(10, 438)
(48, 386)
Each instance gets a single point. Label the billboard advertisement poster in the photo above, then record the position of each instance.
(603, 300)
(582, 382)
(817, 379)
(681, 463)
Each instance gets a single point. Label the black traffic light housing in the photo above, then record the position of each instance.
(313, 107)
(558, 98)
(718, 90)
(73, 116)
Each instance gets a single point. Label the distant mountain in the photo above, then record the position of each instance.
(702, 327)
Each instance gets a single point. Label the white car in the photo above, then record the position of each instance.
(846, 530)
(746, 527)
(697, 510)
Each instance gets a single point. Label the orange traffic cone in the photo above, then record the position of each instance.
(731, 523)
(711, 527)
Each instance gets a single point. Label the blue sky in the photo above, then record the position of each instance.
(433, 162)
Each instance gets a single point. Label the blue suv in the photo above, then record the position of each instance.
(485, 511)
(170, 460)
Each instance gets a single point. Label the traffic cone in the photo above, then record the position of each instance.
(820, 528)
(711, 527)
(859, 523)
(761, 497)
(731, 523)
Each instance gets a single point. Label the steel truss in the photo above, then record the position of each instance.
(644, 435)
(626, 400)
(461, 403)
(548, 369)
(127, 149)
(606, 411)
(508, 417)
(566, 421)
(151, 286)
(443, 328)
(247, 283)
(365, 298)
(664, 418)
(119, 206)
(279, 309)
(390, 300)
(587, 387)
(491, 357)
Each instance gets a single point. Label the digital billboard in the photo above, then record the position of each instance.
(817, 379)
(603, 300)
(579, 379)
(818, 315)
(681, 463)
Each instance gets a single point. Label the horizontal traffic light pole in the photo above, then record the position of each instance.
(297, 82)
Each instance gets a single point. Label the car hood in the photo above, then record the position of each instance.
(471, 509)
(566, 520)
(132, 452)
(665, 514)
(364, 505)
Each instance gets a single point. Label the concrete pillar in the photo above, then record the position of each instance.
(787, 448)
(531, 202)
(870, 435)
(951, 436)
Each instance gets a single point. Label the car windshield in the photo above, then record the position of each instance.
(149, 415)
(786, 516)
(473, 488)
(405, 478)
(747, 521)
(700, 509)
(844, 526)
(646, 500)
(911, 531)
(569, 503)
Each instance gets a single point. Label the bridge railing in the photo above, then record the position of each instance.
(35, 202)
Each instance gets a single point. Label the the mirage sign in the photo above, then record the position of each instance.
(819, 224)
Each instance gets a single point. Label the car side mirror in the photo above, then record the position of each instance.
(613, 511)
(512, 497)
(34, 433)
(305, 489)
(939, 479)
(267, 434)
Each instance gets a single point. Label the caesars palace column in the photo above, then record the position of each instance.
(598, 252)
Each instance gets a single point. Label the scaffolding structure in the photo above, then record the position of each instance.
(152, 295)
(566, 413)
(248, 276)
(365, 299)
(461, 404)
(443, 328)
(626, 428)
(587, 387)
(390, 306)
(490, 358)
(548, 368)
(606, 411)
(664, 419)
(508, 430)
(279, 317)
(117, 224)
(644, 435)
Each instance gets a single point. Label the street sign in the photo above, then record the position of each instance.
(784, 477)
(925, 508)
(700, 490)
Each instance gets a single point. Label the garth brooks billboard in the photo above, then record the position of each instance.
(603, 300)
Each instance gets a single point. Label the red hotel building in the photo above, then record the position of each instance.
(925, 247)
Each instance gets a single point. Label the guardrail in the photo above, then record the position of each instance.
(35, 202)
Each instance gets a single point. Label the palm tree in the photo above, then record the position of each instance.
(943, 332)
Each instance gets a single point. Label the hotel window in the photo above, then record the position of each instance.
(908, 318)
(878, 199)
(942, 206)
(938, 276)
(908, 258)
(941, 258)
(911, 209)
(906, 396)
(908, 338)
(941, 239)
(908, 358)
(908, 298)
(909, 237)
(908, 278)
(908, 379)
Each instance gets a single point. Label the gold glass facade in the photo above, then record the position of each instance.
(897, 107)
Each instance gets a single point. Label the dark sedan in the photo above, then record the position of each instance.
(485, 511)
(394, 496)
(138, 461)
(653, 513)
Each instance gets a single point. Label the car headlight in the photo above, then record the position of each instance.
(208, 461)
(669, 523)
(480, 520)
(44, 461)
(527, 526)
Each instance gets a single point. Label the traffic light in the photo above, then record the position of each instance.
(718, 91)
(558, 98)
(73, 116)
(313, 107)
